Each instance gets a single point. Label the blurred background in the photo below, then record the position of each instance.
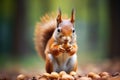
(97, 25)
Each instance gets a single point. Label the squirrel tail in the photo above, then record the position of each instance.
(43, 32)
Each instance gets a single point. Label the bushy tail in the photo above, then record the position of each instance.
(43, 32)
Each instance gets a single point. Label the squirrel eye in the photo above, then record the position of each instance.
(58, 30)
(73, 30)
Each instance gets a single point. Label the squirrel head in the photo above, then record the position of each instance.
(65, 31)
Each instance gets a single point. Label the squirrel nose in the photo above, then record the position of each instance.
(66, 39)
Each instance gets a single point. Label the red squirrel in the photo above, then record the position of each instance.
(55, 41)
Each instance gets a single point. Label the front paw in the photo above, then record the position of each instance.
(68, 49)
(61, 49)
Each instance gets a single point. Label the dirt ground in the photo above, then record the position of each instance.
(106, 71)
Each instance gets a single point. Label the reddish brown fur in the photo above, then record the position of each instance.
(43, 33)
(52, 48)
(74, 49)
(75, 66)
(45, 43)
(66, 30)
(49, 65)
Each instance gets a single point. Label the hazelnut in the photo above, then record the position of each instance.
(62, 73)
(96, 76)
(21, 77)
(38, 76)
(84, 78)
(67, 77)
(54, 75)
(90, 74)
(104, 75)
(77, 76)
(93, 75)
(42, 78)
(73, 73)
(46, 74)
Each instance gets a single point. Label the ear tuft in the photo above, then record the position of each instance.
(59, 20)
(72, 16)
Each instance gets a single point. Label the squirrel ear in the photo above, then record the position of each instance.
(72, 16)
(59, 16)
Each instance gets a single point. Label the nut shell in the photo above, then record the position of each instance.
(67, 77)
(21, 77)
(62, 73)
(46, 74)
(73, 73)
(85, 78)
(104, 75)
(54, 75)
(42, 78)
(93, 75)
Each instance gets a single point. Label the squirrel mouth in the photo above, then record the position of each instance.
(66, 41)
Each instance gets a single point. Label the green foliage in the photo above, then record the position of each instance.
(92, 23)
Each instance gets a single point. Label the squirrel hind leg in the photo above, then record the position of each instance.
(72, 64)
(49, 66)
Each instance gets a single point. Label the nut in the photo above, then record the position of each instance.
(46, 74)
(38, 76)
(90, 74)
(96, 76)
(85, 78)
(54, 75)
(73, 73)
(21, 77)
(67, 77)
(93, 75)
(104, 75)
(43, 78)
(62, 73)
(77, 76)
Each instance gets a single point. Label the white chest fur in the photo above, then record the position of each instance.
(62, 58)
(63, 62)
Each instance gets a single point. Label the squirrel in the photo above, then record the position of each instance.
(55, 41)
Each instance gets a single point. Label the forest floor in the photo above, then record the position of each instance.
(106, 71)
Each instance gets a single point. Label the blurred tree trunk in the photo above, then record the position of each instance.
(114, 52)
(93, 24)
(19, 28)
